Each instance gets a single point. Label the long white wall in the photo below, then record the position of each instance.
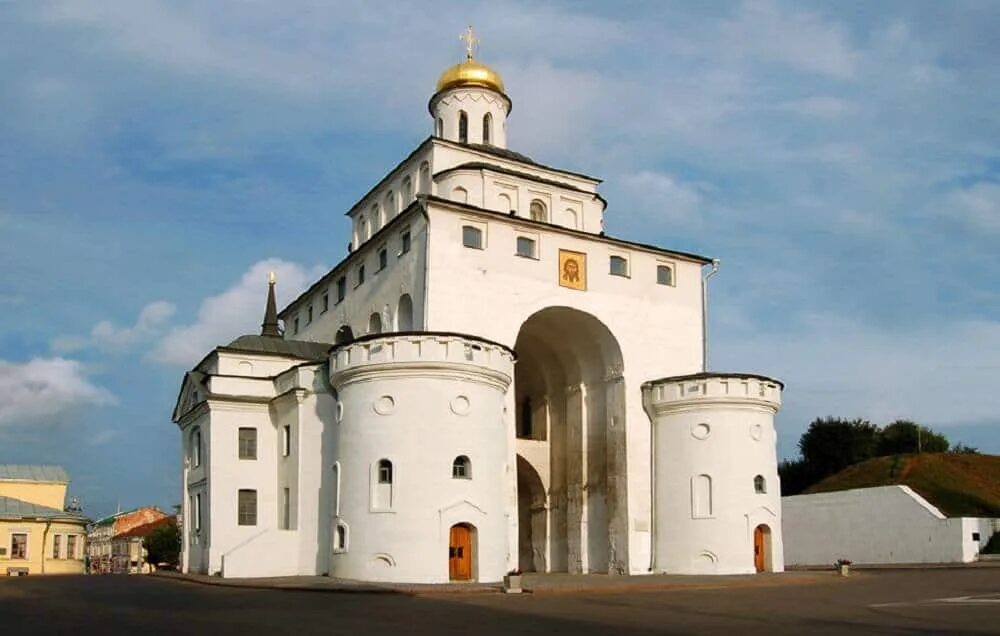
(889, 524)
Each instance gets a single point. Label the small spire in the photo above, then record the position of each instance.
(471, 42)
(270, 324)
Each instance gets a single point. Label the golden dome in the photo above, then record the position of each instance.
(470, 73)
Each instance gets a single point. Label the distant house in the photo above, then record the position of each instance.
(880, 525)
(37, 534)
(103, 532)
(128, 555)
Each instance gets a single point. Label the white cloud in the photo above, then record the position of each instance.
(663, 197)
(106, 336)
(46, 388)
(940, 375)
(978, 206)
(236, 311)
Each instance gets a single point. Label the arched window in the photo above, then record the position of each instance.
(404, 313)
(461, 468)
(439, 128)
(504, 204)
(390, 205)
(425, 178)
(407, 191)
(375, 323)
(384, 471)
(537, 211)
(344, 334)
(701, 496)
(362, 229)
(376, 218)
(340, 537)
(571, 218)
(460, 194)
(487, 128)
(463, 127)
(196, 447)
(759, 485)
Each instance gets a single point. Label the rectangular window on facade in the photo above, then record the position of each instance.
(196, 448)
(326, 302)
(19, 545)
(197, 512)
(472, 237)
(248, 443)
(295, 326)
(664, 275)
(57, 546)
(360, 276)
(246, 508)
(309, 314)
(619, 266)
(286, 508)
(341, 288)
(286, 441)
(526, 247)
(71, 547)
(383, 259)
(404, 239)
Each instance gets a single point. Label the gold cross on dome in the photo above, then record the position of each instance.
(471, 42)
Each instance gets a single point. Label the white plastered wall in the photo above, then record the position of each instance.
(888, 524)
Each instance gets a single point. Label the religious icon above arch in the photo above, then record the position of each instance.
(573, 270)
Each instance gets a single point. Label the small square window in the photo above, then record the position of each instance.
(326, 302)
(975, 536)
(405, 242)
(248, 443)
(341, 288)
(664, 275)
(526, 247)
(619, 266)
(383, 259)
(360, 276)
(472, 237)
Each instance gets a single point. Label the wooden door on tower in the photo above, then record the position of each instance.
(758, 548)
(460, 553)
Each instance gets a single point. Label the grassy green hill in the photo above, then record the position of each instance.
(959, 485)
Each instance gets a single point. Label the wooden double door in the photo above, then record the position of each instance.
(460, 553)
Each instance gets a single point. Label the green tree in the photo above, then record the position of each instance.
(831, 444)
(904, 436)
(163, 544)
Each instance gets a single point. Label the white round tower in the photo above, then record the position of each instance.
(419, 479)
(716, 495)
(469, 105)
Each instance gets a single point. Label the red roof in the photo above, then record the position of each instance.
(146, 529)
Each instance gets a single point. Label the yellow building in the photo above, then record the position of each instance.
(37, 535)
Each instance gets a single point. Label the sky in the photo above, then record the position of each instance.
(157, 158)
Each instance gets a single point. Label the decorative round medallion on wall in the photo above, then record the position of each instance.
(384, 405)
(701, 431)
(460, 405)
(756, 431)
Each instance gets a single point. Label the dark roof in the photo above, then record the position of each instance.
(704, 375)
(482, 165)
(11, 508)
(514, 156)
(270, 325)
(33, 472)
(303, 349)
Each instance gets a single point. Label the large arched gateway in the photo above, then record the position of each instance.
(570, 424)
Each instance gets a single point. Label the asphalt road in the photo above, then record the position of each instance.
(956, 601)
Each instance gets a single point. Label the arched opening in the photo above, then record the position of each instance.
(487, 128)
(362, 230)
(532, 516)
(504, 203)
(196, 447)
(407, 191)
(762, 548)
(701, 496)
(461, 468)
(462, 552)
(463, 127)
(439, 128)
(425, 178)
(344, 334)
(404, 313)
(390, 205)
(570, 396)
(759, 485)
(537, 211)
(375, 323)
(460, 194)
(376, 215)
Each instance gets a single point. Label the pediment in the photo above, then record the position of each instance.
(192, 393)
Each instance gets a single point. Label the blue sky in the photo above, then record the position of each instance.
(156, 158)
